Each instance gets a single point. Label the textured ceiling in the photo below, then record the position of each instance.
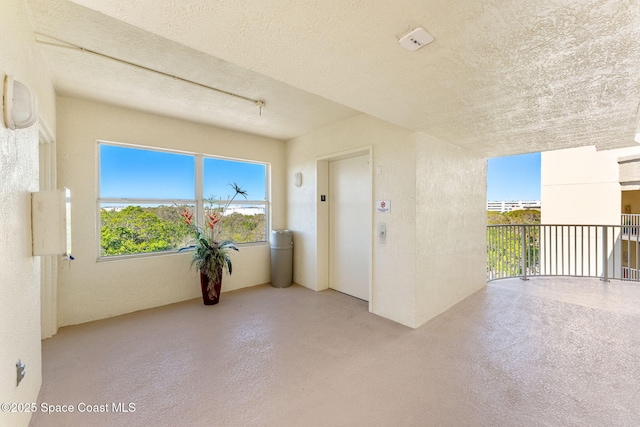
(502, 76)
(289, 112)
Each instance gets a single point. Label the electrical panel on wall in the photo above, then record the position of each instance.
(51, 222)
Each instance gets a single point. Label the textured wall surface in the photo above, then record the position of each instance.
(450, 226)
(393, 150)
(630, 170)
(19, 271)
(435, 227)
(502, 76)
(90, 290)
(581, 186)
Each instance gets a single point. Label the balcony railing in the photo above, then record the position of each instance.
(631, 223)
(604, 251)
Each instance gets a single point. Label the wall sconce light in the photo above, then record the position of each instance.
(20, 104)
(297, 179)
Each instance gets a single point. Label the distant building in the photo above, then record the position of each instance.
(513, 205)
(586, 186)
(245, 210)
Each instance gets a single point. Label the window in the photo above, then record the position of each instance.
(143, 191)
(245, 220)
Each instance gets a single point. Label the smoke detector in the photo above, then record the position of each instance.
(415, 39)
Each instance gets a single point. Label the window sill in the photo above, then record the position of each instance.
(168, 253)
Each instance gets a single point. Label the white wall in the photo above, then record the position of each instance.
(581, 185)
(90, 290)
(412, 171)
(451, 225)
(19, 271)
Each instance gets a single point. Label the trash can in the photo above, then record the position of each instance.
(281, 258)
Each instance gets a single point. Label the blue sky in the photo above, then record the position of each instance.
(218, 174)
(514, 177)
(136, 173)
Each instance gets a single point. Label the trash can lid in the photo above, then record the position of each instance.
(281, 239)
(281, 231)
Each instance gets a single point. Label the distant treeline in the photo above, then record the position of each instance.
(526, 216)
(135, 229)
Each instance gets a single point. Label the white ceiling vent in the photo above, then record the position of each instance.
(415, 39)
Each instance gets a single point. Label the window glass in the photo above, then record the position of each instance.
(241, 223)
(142, 228)
(136, 173)
(143, 192)
(244, 219)
(219, 173)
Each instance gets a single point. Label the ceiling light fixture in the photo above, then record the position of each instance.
(260, 103)
(20, 104)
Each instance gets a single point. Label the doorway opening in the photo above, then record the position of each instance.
(345, 216)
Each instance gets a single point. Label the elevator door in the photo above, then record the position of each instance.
(350, 226)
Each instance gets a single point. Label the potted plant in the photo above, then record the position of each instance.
(210, 253)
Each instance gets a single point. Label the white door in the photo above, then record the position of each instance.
(350, 226)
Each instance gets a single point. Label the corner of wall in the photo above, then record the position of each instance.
(122, 286)
(450, 225)
(19, 168)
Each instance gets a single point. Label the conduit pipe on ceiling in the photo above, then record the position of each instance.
(260, 103)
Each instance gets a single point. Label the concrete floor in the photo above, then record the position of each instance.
(547, 352)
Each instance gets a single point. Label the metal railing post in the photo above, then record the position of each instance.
(605, 254)
(523, 231)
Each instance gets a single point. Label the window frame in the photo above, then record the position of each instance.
(198, 202)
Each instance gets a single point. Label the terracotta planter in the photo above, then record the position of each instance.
(213, 297)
